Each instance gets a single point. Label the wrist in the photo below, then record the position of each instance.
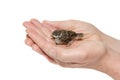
(110, 63)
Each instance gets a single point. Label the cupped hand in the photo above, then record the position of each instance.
(87, 52)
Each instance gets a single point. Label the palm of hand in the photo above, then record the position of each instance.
(80, 53)
(85, 52)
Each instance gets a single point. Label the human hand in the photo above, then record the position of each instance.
(96, 50)
(84, 53)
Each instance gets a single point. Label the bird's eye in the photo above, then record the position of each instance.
(53, 37)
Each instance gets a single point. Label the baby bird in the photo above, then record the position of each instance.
(63, 37)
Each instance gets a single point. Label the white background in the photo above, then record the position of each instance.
(19, 62)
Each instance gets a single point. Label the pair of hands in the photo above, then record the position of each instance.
(84, 53)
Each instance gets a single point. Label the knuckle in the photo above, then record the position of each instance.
(60, 56)
(72, 21)
(27, 42)
(62, 64)
(34, 47)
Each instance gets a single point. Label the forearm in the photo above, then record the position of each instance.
(110, 63)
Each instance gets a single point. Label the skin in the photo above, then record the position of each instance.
(96, 50)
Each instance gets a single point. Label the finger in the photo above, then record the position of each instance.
(40, 39)
(33, 28)
(29, 42)
(42, 28)
(44, 43)
(34, 31)
(61, 24)
(70, 64)
(51, 28)
(36, 48)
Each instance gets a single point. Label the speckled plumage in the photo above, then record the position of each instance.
(65, 36)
